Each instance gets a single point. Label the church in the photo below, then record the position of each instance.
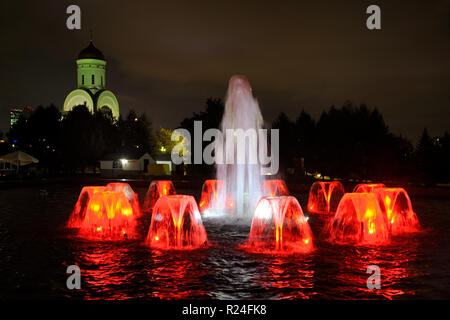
(91, 79)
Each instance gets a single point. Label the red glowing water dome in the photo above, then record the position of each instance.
(211, 199)
(156, 190)
(109, 216)
(397, 207)
(275, 188)
(324, 197)
(359, 220)
(126, 189)
(279, 225)
(176, 224)
(79, 212)
(367, 187)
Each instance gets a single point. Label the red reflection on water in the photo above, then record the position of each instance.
(109, 216)
(214, 197)
(397, 207)
(359, 219)
(282, 273)
(324, 197)
(274, 188)
(395, 266)
(79, 212)
(132, 197)
(367, 187)
(177, 277)
(104, 271)
(279, 226)
(156, 190)
(176, 224)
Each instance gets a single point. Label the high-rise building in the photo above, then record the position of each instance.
(15, 113)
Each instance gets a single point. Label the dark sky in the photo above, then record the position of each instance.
(167, 57)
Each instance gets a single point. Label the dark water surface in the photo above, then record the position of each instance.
(36, 248)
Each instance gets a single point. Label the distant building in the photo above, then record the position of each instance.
(15, 113)
(91, 79)
(135, 163)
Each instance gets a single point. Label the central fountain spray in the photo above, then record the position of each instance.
(243, 181)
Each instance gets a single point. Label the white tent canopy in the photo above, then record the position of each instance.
(18, 158)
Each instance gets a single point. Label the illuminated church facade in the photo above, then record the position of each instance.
(91, 79)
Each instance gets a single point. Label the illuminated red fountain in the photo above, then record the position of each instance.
(279, 226)
(156, 190)
(211, 201)
(324, 197)
(359, 219)
(368, 187)
(79, 211)
(397, 207)
(275, 188)
(109, 216)
(176, 224)
(126, 189)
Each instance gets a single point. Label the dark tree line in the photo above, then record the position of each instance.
(210, 118)
(79, 139)
(355, 142)
(346, 142)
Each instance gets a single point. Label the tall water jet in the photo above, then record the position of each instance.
(243, 180)
(176, 224)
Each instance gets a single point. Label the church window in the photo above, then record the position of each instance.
(93, 80)
(82, 79)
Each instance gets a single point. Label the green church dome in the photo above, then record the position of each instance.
(91, 52)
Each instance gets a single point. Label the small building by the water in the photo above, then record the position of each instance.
(134, 164)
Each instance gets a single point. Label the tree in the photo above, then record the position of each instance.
(427, 157)
(288, 140)
(210, 118)
(136, 133)
(305, 135)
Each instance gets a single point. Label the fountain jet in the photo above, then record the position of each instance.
(210, 201)
(358, 220)
(79, 212)
(274, 188)
(126, 189)
(398, 211)
(280, 226)
(324, 197)
(368, 187)
(109, 216)
(156, 190)
(176, 224)
(243, 181)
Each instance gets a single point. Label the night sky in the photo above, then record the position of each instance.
(167, 57)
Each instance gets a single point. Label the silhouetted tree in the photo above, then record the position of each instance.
(305, 134)
(210, 118)
(136, 133)
(288, 140)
